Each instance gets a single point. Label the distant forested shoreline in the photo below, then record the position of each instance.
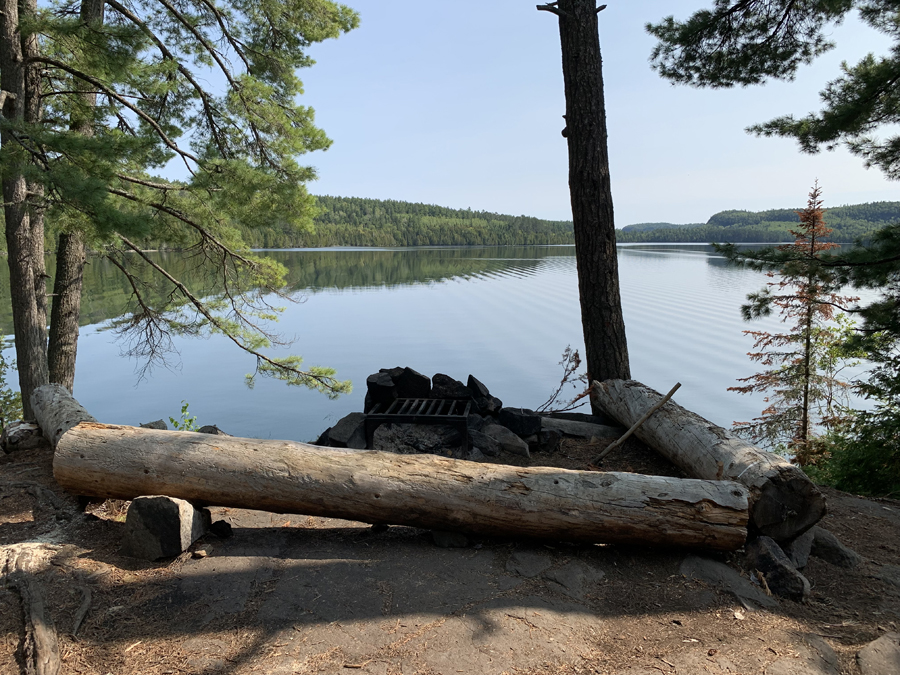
(848, 222)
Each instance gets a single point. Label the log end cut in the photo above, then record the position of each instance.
(787, 507)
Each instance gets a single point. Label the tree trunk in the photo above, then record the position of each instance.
(20, 86)
(70, 255)
(784, 503)
(606, 350)
(417, 490)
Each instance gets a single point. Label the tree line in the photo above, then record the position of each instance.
(849, 223)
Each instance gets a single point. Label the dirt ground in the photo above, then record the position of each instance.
(297, 595)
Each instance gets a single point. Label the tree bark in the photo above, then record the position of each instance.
(606, 350)
(784, 503)
(70, 255)
(22, 208)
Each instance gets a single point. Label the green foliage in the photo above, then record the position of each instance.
(10, 401)
(750, 41)
(848, 223)
(124, 96)
(185, 423)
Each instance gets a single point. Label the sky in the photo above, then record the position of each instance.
(461, 104)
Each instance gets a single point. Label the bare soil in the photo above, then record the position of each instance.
(292, 594)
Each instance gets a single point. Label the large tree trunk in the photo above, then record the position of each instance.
(20, 91)
(784, 503)
(70, 253)
(606, 350)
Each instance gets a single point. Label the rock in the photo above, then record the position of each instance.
(485, 443)
(380, 390)
(507, 440)
(723, 577)
(162, 527)
(799, 549)
(475, 422)
(222, 529)
(349, 432)
(158, 424)
(393, 373)
(411, 439)
(577, 429)
(766, 557)
(212, 429)
(880, 657)
(449, 539)
(889, 574)
(546, 441)
(323, 438)
(487, 405)
(444, 386)
(813, 656)
(521, 421)
(574, 578)
(412, 384)
(827, 547)
(21, 435)
(474, 455)
(477, 388)
(528, 564)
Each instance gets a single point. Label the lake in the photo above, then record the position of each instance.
(502, 314)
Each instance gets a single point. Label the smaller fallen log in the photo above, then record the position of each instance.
(56, 411)
(784, 503)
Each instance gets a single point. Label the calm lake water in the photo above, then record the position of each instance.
(502, 314)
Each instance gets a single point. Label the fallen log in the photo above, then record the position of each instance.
(57, 411)
(784, 503)
(418, 490)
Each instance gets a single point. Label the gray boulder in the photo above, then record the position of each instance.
(158, 424)
(477, 388)
(767, 558)
(162, 527)
(521, 421)
(212, 429)
(349, 432)
(723, 577)
(799, 549)
(488, 445)
(507, 440)
(880, 657)
(827, 547)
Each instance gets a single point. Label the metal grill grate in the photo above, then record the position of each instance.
(445, 411)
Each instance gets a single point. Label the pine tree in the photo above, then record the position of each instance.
(804, 394)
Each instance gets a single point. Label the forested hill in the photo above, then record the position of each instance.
(848, 222)
(351, 221)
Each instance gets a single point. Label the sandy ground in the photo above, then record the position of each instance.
(296, 595)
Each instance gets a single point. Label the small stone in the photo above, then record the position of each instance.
(412, 384)
(444, 386)
(349, 432)
(507, 440)
(528, 564)
(799, 549)
(880, 657)
(380, 389)
(521, 421)
(722, 576)
(199, 553)
(827, 547)
(158, 424)
(212, 429)
(485, 443)
(782, 578)
(162, 527)
(222, 529)
(477, 388)
(449, 539)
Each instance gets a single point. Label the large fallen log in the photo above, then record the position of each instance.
(784, 503)
(419, 490)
